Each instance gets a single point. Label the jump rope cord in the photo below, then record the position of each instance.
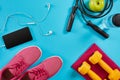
(85, 11)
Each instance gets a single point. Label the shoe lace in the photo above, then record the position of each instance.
(39, 74)
(19, 66)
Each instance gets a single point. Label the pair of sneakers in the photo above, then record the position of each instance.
(15, 69)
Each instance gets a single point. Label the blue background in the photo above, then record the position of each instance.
(69, 46)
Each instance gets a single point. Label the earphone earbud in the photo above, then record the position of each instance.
(48, 5)
(50, 32)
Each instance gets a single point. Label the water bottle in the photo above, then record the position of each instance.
(112, 21)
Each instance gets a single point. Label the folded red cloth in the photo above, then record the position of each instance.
(96, 68)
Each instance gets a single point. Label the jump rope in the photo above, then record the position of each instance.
(86, 12)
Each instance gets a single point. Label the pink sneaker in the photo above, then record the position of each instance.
(20, 62)
(43, 71)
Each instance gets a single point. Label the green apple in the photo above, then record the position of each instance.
(96, 5)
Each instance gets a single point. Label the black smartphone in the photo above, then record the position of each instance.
(17, 37)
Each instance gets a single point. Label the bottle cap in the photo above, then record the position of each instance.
(116, 20)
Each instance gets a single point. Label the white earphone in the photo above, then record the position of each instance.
(18, 13)
(50, 32)
(48, 5)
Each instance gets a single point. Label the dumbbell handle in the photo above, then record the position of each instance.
(85, 69)
(105, 66)
(93, 75)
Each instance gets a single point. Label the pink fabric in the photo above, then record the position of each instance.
(96, 68)
(38, 73)
(52, 65)
(22, 61)
(18, 66)
(45, 70)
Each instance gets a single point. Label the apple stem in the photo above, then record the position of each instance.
(98, 3)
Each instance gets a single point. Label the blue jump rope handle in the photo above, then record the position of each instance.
(97, 29)
(71, 19)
